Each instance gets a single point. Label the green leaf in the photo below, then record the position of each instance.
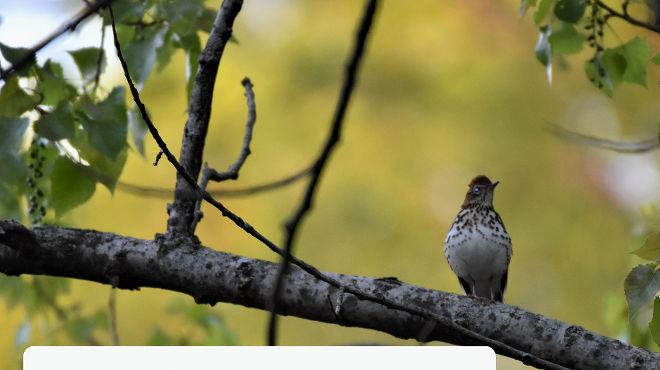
(13, 100)
(106, 123)
(126, 10)
(125, 33)
(9, 207)
(570, 11)
(11, 133)
(600, 76)
(650, 250)
(101, 168)
(51, 85)
(654, 325)
(656, 59)
(544, 50)
(100, 319)
(87, 60)
(187, 10)
(205, 21)
(541, 11)
(159, 338)
(58, 124)
(615, 65)
(140, 53)
(566, 39)
(13, 175)
(138, 128)
(13, 55)
(641, 285)
(190, 42)
(69, 186)
(81, 329)
(218, 335)
(636, 53)
(165, 52)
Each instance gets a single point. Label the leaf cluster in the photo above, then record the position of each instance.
(79, 131)
(566, 26)
(61, 135)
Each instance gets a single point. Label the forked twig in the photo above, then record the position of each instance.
(209, 173)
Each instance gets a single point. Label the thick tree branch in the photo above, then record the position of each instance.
(319, 164)
(182, 210)
(211, 276)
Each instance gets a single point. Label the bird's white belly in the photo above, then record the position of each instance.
(478, 252)
(479, 259)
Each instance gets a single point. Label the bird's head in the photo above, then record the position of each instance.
(481, 192)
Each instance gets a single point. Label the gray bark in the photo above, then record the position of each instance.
(211, 276)
(182, 210)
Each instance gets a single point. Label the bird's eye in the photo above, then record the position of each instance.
(475, 190)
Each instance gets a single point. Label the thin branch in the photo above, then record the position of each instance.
(112, 309)
(627, 18)
(99, 59)
(319, 165)
(232, 173)
(377, 297)
(70, 26)
(147, 191)
(641, 146)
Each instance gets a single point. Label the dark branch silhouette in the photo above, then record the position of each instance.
(626, 17)
(319, 165)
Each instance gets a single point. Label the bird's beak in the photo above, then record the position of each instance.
(494, 184)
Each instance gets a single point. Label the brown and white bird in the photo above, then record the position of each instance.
(478, 247)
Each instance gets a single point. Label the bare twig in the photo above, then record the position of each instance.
(374, 297)
(333, 138)
(160, 154)
(147, 191)
(641, 146)
(70, 26)
(99, 59)
(232, 173)
(627, 18)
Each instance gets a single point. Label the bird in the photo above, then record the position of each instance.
(478, 248)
